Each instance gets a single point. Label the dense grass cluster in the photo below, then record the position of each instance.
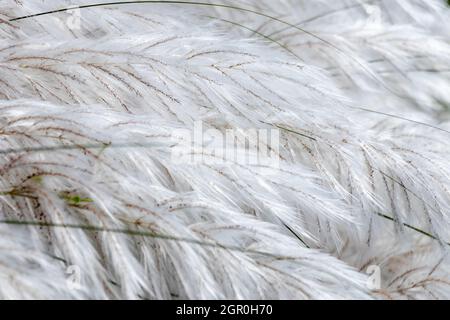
(106, 191)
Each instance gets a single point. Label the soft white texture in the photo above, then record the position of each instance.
(87, 122)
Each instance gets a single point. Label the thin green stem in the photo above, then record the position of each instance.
(136, 233)
(412, 228)
(259, 34)
(101, 146)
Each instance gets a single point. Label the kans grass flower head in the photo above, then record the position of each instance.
(223, 149)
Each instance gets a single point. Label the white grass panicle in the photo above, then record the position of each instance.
(104, 195)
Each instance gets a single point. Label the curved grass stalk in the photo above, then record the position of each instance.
(101, 146)
(398, 117)
(322, 15)
(136, 233)
(259, 34)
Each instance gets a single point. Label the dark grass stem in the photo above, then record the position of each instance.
(137, 233)
(412, 228)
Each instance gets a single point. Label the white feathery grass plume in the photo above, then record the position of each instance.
(95, 103)
(373, 46)
(30, 273)
(134, 189)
